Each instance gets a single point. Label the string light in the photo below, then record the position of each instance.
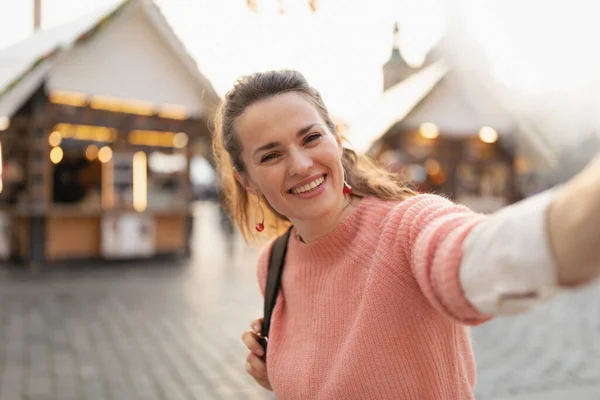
(429, 130)
(158, 139)
(66, 98)
(122, 106)
(105, 154)
(114, 104)
(488, 135)
(90, 133)
(140, 181)
(56, 155)
(55, 139)
(91, 152)
(180, 140)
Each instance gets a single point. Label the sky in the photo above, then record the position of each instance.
(544, 51)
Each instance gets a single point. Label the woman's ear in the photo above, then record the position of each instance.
(239, 178)
(243, 181)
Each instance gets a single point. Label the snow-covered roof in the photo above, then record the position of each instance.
(458, 104)
(20, 57)
(459, 107)
(394, 105)
(24, 65)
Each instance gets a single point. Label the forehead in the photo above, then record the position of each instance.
(270, 119)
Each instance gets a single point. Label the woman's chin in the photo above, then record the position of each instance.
(314, 207)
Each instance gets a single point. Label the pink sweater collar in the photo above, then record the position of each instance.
(330, 247)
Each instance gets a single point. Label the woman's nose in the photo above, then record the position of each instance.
(300, 163)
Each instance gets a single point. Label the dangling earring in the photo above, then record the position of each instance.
(347, 188)
(260, 226)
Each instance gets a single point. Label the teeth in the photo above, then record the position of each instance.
(309, 186)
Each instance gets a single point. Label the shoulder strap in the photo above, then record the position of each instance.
(276, 263)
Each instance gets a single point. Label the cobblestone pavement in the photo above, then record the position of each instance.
(552, 352)
(172, 331)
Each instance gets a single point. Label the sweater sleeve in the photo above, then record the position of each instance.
(431, 232)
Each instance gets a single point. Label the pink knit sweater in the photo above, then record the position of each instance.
(375, 309)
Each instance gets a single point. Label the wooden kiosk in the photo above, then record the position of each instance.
(96, 131)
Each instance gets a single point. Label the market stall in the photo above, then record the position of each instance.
(448, 130)
(97, 145)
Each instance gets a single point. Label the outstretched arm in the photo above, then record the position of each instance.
(472, 267)
(527, 252)
(574, 228)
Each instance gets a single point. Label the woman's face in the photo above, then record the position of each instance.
(291, 157)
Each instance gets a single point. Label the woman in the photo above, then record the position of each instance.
(380, 283)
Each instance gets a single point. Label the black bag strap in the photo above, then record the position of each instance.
(276, 263)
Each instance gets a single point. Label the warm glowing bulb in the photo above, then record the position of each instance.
(488, 135)
(4, 123)
(56, 155)
(140, 181)
(105, 154)
(91, 152)
(55, 139)
(429, 130)
(432, 167)
(180, 140)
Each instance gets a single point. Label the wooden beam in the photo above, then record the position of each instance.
(120, 121)
(38, 163)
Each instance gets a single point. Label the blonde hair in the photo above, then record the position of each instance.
(362, 173)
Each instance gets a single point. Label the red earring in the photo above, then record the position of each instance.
(347, 188)
(260, 226)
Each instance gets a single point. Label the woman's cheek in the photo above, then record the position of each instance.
(272, 184)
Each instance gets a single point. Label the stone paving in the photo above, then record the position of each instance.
(551, 351)
(172, 331)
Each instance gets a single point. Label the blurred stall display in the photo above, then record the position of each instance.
(121, 189)
(128, 235)
(96, 152)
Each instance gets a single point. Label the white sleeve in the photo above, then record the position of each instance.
(507, 265)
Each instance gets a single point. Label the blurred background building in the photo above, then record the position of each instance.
(448, 131)
(103, 116)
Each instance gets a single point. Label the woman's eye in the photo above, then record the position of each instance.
(269, 157)
(312, 137)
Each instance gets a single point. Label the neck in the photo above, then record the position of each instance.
(312, 230)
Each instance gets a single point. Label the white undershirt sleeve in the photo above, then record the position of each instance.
(507, 265)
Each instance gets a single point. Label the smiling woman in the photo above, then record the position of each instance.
(380, 283)
(275, 136)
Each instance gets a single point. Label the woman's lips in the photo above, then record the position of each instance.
(313, 192)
